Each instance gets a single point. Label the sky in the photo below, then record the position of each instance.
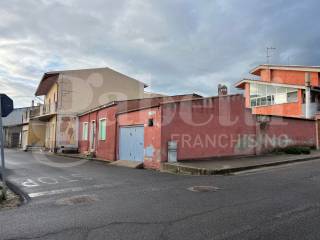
(175, 46)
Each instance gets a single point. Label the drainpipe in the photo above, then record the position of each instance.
(308, 94)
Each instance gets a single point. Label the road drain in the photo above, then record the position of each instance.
(81, 199)
(203, 189)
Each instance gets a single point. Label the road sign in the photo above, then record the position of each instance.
(6, 105)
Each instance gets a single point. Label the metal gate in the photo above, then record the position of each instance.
(15, 140)
(131, 145)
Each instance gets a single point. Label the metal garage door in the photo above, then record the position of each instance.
(131, 145)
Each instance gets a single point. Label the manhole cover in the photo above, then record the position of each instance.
(77, 200)
(203, 189)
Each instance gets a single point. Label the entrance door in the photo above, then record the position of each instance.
(131, 145)
(93, 136)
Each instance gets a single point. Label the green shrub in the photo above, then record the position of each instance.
(2, 195)
(305, 150)
(297, 150)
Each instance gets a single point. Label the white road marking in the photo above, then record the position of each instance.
(65, 190)
(48, 180)
(29, 183)
(36, 182)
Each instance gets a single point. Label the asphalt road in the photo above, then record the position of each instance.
(94, 200)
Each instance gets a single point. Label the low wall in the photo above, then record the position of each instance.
(222, 126)
(279, 132)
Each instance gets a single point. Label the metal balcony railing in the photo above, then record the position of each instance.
(44, 109)
(48, 109)
(34, 112)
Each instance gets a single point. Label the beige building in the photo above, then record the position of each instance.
(67, 93)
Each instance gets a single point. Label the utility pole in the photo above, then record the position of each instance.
(269, 49)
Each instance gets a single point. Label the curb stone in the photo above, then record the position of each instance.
(183, 169)
(80, 157)
(24, 197)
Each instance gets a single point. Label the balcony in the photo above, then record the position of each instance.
(44, 112)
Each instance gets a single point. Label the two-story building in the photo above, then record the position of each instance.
(68, 93)
(291, 91)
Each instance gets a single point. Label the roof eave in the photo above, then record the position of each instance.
(45, 75)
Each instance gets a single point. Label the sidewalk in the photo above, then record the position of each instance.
(236, 164)
(80, 156)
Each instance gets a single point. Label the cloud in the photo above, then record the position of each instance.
(175, 46)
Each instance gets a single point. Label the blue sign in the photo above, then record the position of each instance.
(6, 105)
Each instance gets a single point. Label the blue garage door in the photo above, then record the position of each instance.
(131, 143)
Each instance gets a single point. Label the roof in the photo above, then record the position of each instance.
(256, 70)
(179, 101)
(46, 83)
(241, 84)
(15, 117)
(50, 78)
(146, 102)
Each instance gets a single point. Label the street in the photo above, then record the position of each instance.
(94, 200)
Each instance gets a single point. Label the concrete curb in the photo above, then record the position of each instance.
(24, 197)
(80, 157)
(183, 169)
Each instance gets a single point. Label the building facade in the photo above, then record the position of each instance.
(191, 129)
(99, 130)
(68, 93)
(15, 127)
(291, 91)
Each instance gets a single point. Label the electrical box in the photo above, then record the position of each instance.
(172, 151)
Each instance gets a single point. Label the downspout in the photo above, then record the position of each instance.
(56, 130)
(308, 94)
(116, 137)
(88, 133)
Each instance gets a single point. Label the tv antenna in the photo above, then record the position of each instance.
(269, 49)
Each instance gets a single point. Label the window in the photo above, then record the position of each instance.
(102, 129)
(264, 95)
(292, 96)
(85, 131)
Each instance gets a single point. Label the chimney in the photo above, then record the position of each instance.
(32, 103)
(222, 90)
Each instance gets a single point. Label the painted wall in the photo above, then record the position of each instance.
(83, 90)
(51, 98)
(105, 149)
(203, 129)
(84, 145)
(279, 131)
(36, 133)
(51, 126)
(285, 110)
(206, 128)
(288, 77)
(66, 131)
(108, 149)
(152, 135)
